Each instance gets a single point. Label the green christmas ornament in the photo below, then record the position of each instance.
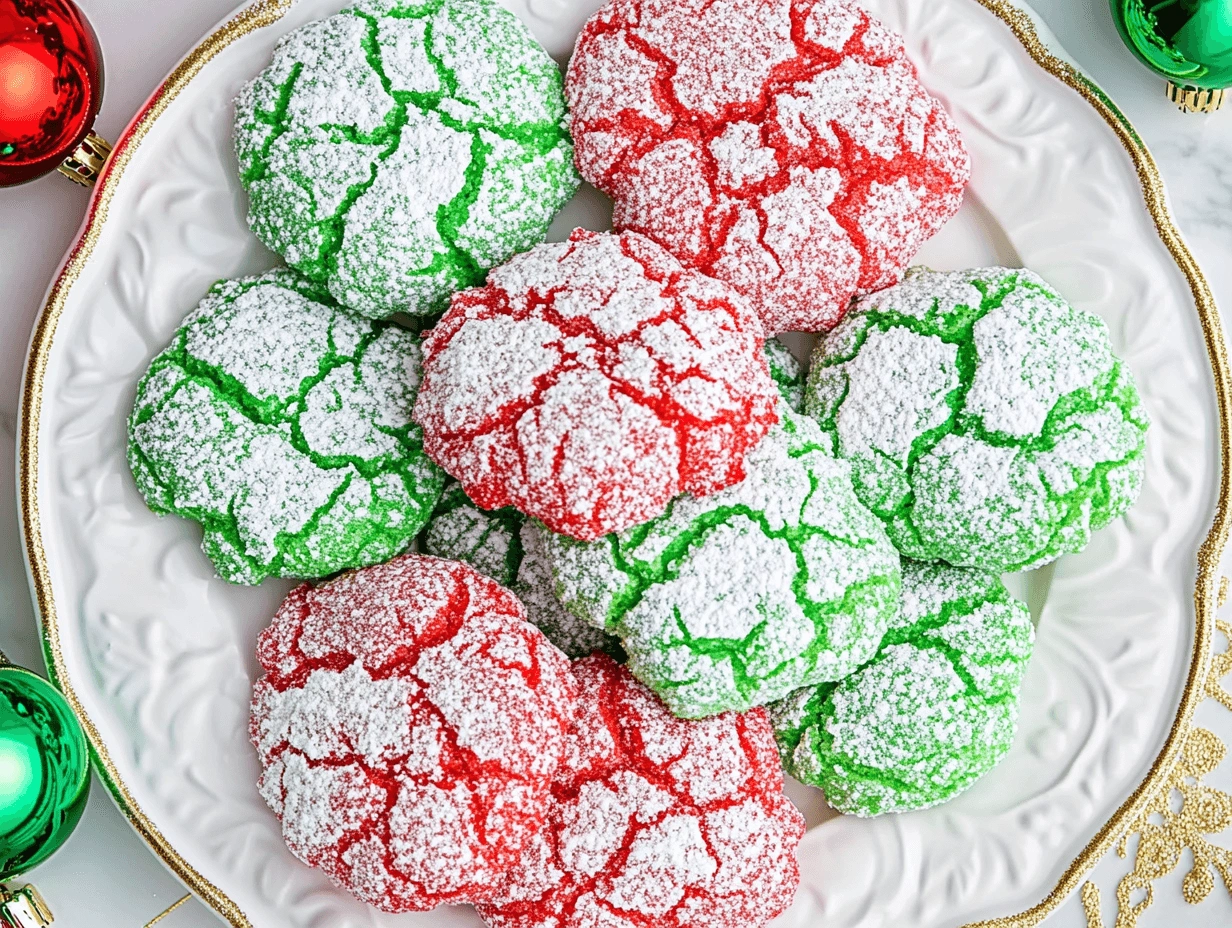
(1188, 42)
(44, 772)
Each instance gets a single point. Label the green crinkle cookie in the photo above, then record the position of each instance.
(487, 540)
(987, 422)
(506, 546)
(398, 150)
(282, 424)
(736, 599)
(786, 372)
(933, 712)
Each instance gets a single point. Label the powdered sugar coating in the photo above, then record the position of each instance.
(283, 425)
(591, 381)
(781, 581)
(785, 146)
(488, 541)
(398, 149)
(536, 587)
(409, 724)
(933, 712)
(787, 373)
(988, 423)
(507, 547)
(658, 822)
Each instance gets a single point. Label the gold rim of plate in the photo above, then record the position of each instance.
(266, 12)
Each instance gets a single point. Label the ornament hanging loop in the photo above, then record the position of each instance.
(23, 908)
(86, 162)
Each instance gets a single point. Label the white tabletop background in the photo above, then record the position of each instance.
(105, 876)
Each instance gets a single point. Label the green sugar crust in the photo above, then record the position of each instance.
(282, 424)
(988, 423)
(736, 599)
(786, 372)
(488, 540)
(930, 714)
(396, 151)
(506, 546)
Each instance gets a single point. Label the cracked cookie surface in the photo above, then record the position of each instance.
(934, 711)
(397, 150)
(508, 547)
(658, 822)
(784, 146)
(786, 372)
(593, 380)
(490, 541)
(282, 424)
(988, 422)
(732, 601)
(409, 724)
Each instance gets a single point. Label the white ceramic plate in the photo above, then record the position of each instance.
(157, 654)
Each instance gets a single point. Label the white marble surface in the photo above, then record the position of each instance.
(104, 874)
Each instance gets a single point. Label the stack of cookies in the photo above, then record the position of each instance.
(592, 557)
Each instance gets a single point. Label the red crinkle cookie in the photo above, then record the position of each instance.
(785, 146)
(593, 380)
(409, 724)
(659, 822)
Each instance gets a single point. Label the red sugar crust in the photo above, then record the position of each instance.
(659, 822)
(591, 381)
(409, 724)
(785, 146)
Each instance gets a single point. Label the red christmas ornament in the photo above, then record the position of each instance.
(51, 86)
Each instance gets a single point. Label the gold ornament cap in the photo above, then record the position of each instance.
(1195, 99)
(86, 162)
(24, 908)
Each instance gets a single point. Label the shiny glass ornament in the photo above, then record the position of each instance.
(44, 770)
(1189, 42)
(51, 85)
